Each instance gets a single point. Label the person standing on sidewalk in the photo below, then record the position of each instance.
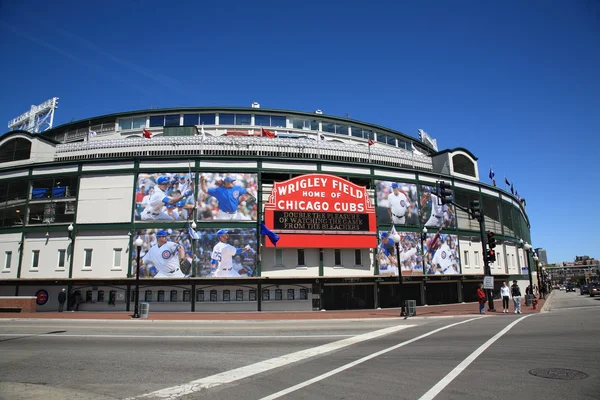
(62, 297)
(505, 293)
(481, 298)
(515, 292)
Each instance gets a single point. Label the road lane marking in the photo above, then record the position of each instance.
(360, 361)
(434, 391)
(267, 365)
(44, 335)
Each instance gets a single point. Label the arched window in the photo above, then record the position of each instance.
(14, 150)
(463, 165)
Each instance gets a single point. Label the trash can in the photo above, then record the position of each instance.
(411, 308)
(528, 299)
(144, 310)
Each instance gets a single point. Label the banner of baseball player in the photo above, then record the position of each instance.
(215, 253)
(170, 197)
(397, 203)
(411, 260)
(433, 213)
(441, 254)
(321, 211)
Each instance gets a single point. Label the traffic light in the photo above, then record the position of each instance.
(491, 240)
(491, 256)
(476, 210)
(445, 192)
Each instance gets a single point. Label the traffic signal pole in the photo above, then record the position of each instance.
(474, 212)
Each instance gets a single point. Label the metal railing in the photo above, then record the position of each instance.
(233, 146)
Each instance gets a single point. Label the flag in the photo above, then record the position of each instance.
(492, 174)
(267, 133)
(517, 194)
(147, 134)
(320, 136)
(92, 133)
(506, 181)
(193, 234)
(371, 142)
(512, 189)
(273, 237)
(203, 133)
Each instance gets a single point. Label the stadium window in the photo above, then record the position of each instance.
(161, 296)
(463, 165)
(301, 257)
(278, 294)
(239, 295)
(35, 259)
(88, 296)
(357, 256)
(290, 294)
(15, 150)
(87, 257)
(213, 295)
(7, 259)
(391, 140)
(278, 121)
(173, 297)
(117, 257)
(191, 119)
(381, 138)
(303, 294)
(356, 131)
(226, 119)
(61, 258)
(131, 123)
(341, 129)
(252, 295)
(328, 127)
(172, 120)
(187, 296)
(226, 295)
(476, 259)
(337, 257)
(207, 119)
(403, 144)
(100, 296)
(262, 120)
(466, 258)
(156, 120)
(305, 124)
(243, 119)
(266, 295)
(148, 296)
(199, 296)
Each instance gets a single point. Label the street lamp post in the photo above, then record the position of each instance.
(423, 238)
(136, 310)
(400, 279)
(527, 248)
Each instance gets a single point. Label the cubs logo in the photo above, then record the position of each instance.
(166, 254)
(443, 255)
(402, 203)
(236, 194)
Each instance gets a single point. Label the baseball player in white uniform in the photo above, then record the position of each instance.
(222, 256)
(443, 259)
(165, 256)
(398, 205)
(437, 212)
(156, 202)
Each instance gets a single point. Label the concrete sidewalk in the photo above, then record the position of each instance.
(447, 310)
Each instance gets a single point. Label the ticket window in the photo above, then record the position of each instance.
(290, 294)
(239, 295)
(303, 294)
(200, 296)
(100, 296)
(112, 297)
(173, 296)
(213, 295)
(148, 296)
(187, 296)
(278, 294)
(161, 296)
(88, 296)
(226, 295)
(252, 295)
(266, 295)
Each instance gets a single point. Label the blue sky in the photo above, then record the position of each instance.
(515, 82)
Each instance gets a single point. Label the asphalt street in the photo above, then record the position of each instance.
(552, 355)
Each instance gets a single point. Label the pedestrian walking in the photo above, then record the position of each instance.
(62, 298)
(515, 292)
(505, 293)
(481, 298)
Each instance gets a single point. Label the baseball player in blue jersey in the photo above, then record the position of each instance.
(165, 256)
(228, 195)
(159, 199)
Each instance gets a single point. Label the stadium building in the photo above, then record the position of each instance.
(107, 204)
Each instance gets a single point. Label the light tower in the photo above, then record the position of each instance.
(37, 119)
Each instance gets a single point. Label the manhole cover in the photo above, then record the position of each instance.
(558, 373)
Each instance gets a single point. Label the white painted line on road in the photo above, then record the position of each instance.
(434, 391)
(360, 361)
(58, 335)
(574, 308)
(267, 365)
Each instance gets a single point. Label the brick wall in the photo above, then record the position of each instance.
(26, 303)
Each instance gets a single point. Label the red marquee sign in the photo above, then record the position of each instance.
(321, 211)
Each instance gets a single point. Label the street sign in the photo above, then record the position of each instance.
(488, 282)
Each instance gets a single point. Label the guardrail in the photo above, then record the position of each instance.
(242, 146)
